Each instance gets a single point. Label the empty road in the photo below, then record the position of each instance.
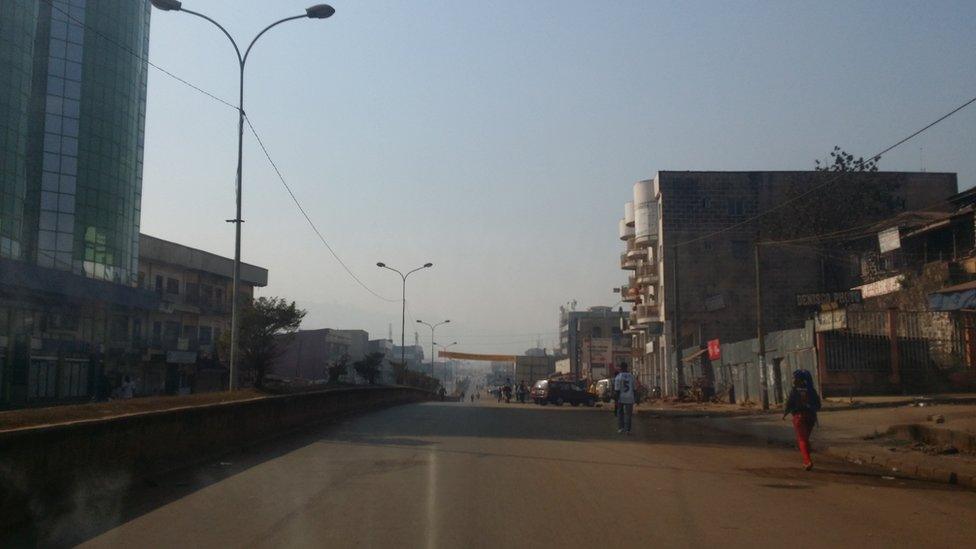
(495, 475)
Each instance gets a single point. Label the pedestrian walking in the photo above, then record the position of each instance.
(803, 403)
(623, 391)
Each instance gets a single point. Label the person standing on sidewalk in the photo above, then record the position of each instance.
(803, 403)
(623, 389)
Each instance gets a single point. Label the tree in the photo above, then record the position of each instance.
(855, 194)
(267, 324)
(842, 161)
(338, 369)
(369, 366)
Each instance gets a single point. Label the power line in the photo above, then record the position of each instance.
(125, 48)
(830, 181)
(138, 55)
(306, 216)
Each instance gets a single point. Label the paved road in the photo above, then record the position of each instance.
(494, 475)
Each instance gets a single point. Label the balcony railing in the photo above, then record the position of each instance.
(647, 274)
(627, 263)
(646, 313)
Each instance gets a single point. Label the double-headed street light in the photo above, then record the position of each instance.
(403, 314)
(318, 11)
(444, 349)
(432, 328)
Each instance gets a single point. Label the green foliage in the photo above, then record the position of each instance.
(338, 369)
(262, 322)
(369, 366)
(405, 376)
(842, 161)
(854, 194)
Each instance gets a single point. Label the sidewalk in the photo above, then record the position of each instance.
(927, 438)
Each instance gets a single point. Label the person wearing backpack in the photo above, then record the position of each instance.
(803, 403)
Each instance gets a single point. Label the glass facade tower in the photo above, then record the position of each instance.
(83, 136)
(18, 23)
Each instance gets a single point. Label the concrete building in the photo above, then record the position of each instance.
(532, 368)
(580, 331)
(62, 333)
(309, 353)
(414, 356)
(384, 346)
(178, 340)
(692, 227)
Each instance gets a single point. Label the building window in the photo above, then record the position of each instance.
(172, 286)
(737, 207)
(193, 292)
(206, 335)
(597, 331)
(159, 284)
(118, 328)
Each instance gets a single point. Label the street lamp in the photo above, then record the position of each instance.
(444, 349)
(318, 11)
(432, 328)
(403, 314)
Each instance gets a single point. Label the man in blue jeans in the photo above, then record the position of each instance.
(623, 387)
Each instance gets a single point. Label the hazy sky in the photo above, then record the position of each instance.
(499, 140)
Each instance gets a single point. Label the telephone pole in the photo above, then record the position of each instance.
(760, 335)
(676, 325)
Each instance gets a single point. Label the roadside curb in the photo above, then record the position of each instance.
(900, 467)
(928, 401)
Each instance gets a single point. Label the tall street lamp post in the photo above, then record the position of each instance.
(444, 349)
(432, 328)
(318, 11)
(403, 314)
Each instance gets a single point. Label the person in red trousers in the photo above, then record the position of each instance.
(803, 403)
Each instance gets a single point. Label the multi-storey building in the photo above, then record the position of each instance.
(309, 353)
(72, 111)
(580, 330)
(178, 339)
(691, 254)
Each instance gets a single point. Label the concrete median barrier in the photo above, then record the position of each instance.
(51, 470)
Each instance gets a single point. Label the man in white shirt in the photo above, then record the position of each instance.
(624, 386)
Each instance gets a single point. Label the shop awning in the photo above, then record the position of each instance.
(954, 298)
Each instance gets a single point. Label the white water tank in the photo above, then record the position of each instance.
(625, 231)
(643, 192)
(645, 211)
(629, 214)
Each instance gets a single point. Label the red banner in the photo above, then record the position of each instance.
(714, 349)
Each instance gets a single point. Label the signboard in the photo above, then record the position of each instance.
(714, 349)
(181, 357)
(884, 286)
(600, 350)
(714, 302)
(841, 298)
(831, 320)
(889, 240)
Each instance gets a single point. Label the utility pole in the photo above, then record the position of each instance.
(676, 323)
(760, 335)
